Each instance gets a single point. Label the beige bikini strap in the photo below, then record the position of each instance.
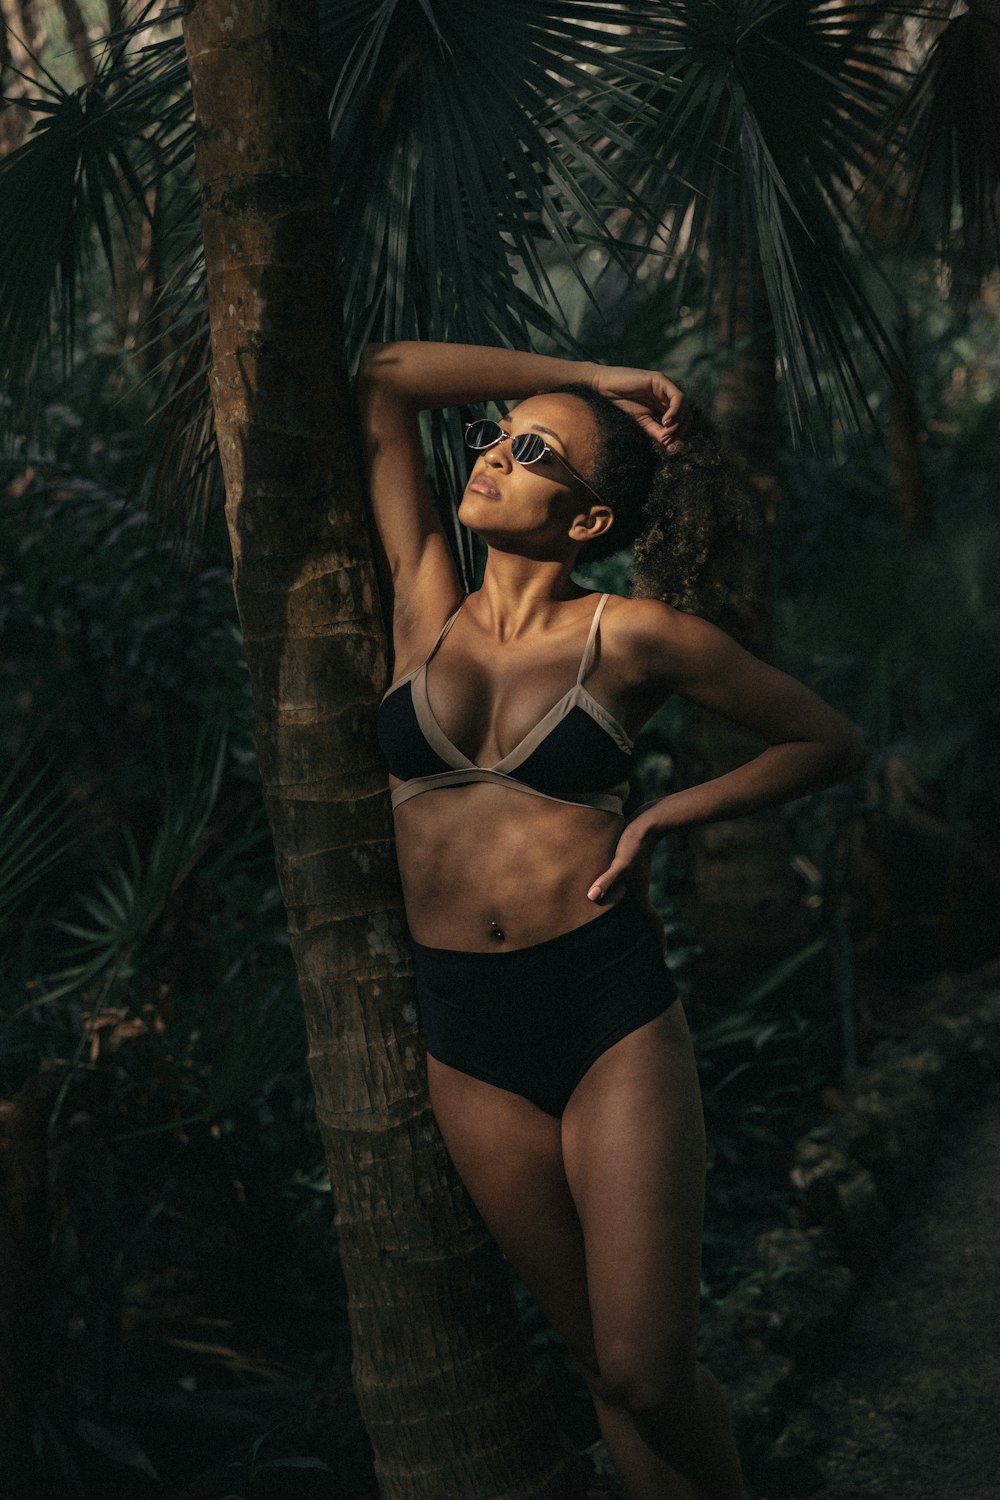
(612, 801)
(588, 648)
(443, 631)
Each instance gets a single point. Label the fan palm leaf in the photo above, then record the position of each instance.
(73, 186)
(767, 116)
(948, 130)
(463, 160)
(129, 898)
(444, 190)
(33, 837)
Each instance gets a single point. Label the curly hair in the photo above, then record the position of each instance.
(690, 514)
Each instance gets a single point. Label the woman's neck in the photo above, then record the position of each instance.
(519, 596)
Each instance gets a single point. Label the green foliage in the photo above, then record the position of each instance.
(131, 896)
(949, 129)
(431, 251)
(144, 954)
(727, 140)
(461, 182)
(31, 824)
(902, 632)
(154, 965)
(764, 118)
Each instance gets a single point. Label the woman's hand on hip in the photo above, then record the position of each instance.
(631, 863)
(649, 396)
(632, 857)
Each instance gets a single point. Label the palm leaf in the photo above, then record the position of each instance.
(72, 187)
(948, 130)
(445, 193)
(476, 165)
(773, 112)
(129, 898)
(32, 833)
(464, 164)
(460, 171)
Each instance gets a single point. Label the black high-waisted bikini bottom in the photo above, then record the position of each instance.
(532, 1020)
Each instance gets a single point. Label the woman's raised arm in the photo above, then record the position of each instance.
(417, 577)
(429, 375)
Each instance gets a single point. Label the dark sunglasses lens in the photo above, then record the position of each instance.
(528, 447)
(481, 434)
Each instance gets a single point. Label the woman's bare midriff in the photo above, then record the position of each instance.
(482, 857)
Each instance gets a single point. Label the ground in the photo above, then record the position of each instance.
(911, 1411)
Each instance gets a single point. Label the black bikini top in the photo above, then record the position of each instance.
(573, 754)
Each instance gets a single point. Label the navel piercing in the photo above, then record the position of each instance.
(496, 931)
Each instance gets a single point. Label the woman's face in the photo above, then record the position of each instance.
(537, 510)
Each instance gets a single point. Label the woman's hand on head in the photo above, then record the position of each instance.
(649, 396)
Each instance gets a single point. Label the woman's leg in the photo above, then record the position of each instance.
(633, 1140)
(509, 1155)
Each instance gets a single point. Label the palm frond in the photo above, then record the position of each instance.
(71, 188)
(129, 898)
(453, 163)
(449, 184)
(948, 129)
(768, 117)
(265, 1041)
(32, 833)
(460, 168)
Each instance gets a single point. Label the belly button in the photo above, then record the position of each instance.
(496, 932)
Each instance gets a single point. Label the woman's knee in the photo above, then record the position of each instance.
(631, 1378)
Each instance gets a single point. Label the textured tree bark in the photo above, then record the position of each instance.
(745, 907)
(76, 30)
(903, 438)
(441, 1364)
(22, 26)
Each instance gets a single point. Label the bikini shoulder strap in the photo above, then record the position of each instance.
(444, 630)
(589, 647)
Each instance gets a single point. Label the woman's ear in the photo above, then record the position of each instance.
(592, 523)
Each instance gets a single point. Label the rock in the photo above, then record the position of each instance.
(803, 1302)
(791, 1463)
(842, 1198)
(604, 1482)
(759, 1402)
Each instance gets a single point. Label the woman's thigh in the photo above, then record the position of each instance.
(633, 1148)
(508, 1153)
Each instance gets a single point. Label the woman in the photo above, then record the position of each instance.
(560, 1069)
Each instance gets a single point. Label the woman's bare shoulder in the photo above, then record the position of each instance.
(652, 639)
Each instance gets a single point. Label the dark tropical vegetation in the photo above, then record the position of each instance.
(625, 181)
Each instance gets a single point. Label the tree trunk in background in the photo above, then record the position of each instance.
(21, 27)
(745, 904)
(441, 1364)
(904, 436)
(76, 30)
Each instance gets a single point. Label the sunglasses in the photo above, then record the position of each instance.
(526, 448)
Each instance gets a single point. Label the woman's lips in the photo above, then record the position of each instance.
(484, 487)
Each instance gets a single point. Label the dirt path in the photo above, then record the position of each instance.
(912, 1410)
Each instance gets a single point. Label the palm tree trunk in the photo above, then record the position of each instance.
(22, 27)
(443, 1373)
(744, 907)
(904, 435)
(76, 30)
